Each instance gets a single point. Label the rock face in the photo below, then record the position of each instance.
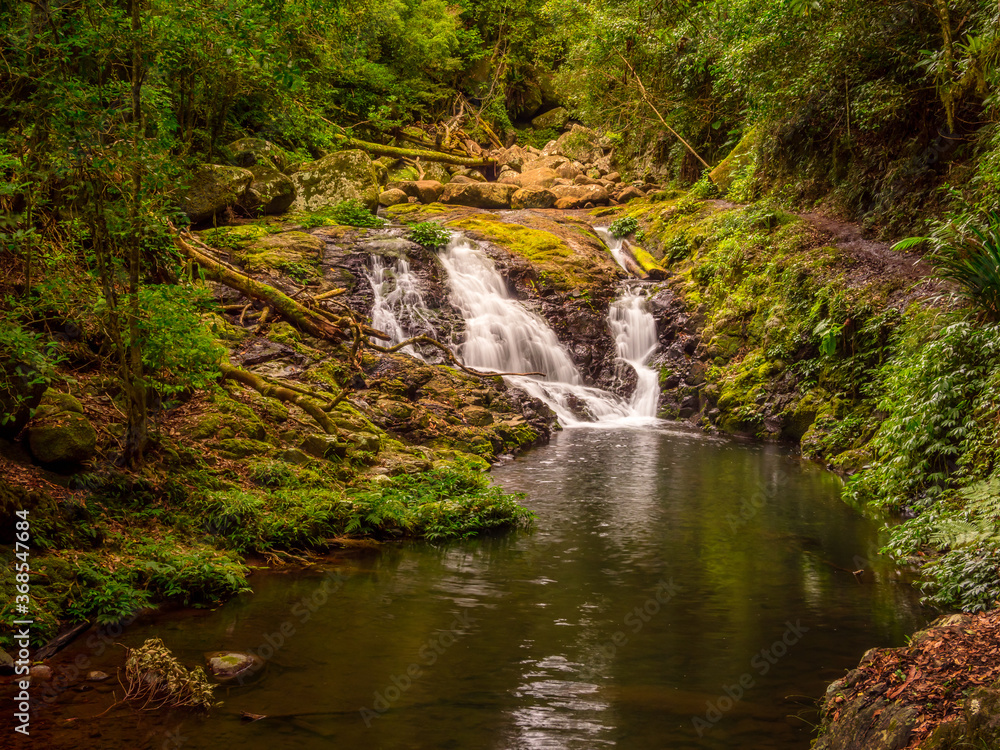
(60, 433)
(345, 175)
(271, 192)
(555, 118)
(213, 189)
(479, 194)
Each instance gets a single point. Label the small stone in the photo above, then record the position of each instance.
(40, 673)
(227, 665)
(97, 676)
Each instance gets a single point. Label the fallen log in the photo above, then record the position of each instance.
(416, 153)
(280, 392)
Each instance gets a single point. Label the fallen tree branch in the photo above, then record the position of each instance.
(280, 392)
(415, 153)
(450, 355)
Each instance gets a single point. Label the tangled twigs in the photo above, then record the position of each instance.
(155, 679)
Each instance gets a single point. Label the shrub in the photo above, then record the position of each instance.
(429, 235)
(623, 227)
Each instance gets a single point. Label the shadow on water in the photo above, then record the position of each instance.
(678, 591)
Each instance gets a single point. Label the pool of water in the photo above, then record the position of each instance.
(677, 591)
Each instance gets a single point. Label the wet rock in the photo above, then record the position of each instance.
(97, 676)
(345, 175)
(212, 190)
(230, 665)
(39, 673)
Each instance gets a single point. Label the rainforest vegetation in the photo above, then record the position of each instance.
(737, 118)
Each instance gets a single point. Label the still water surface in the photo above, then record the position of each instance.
(678, 591)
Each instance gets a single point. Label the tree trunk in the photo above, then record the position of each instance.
(273, 390)
(416, 153)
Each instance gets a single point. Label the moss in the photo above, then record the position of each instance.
(647, 262)
(416, 212)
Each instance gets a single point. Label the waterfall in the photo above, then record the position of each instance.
(501, 335)
(399, 309)
(634, 328)
(617, 247)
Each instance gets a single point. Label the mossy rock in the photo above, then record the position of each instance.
(345, 175)
(741, 155)
(323, 446)
(243, 447)
(256, 152)
(213, 189)
(271, 192)
(205, 427)
(555, 119)
(296, 254)
(56, 402)
(63, 438)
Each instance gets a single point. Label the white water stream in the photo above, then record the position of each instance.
(502, 336)
(399, 309)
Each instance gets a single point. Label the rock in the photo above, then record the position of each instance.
(581, 144)
(630, 193)
(479, 195)
(212, 189)
(582, 179)
(613, 177)
(294, 456)
(555, 118)
(271, 192)
(392, 197)
(279, 252)
(562, 166)
(345, 175)
(577, 196)
(39, 673)
(473, 174)
(535, 178)
(235, 448)
(365, 441)
(97, 676)
(323, 446)
(513, 158)
(477, 416)
(463, 180)
(533, 197)
(228, 665)
(6, 663)
(64, 437)
(256, 152)
(55, 402)
(429, 191)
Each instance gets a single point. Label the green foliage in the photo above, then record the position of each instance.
(178, 350)
(350, 213)
(623, 227)
(968, 256)
(27, 360)
(429, 235)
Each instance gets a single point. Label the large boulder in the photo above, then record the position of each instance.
(514, 157)
(578, 196)
(479, 194)
(534, 178)
(557, 163)
(212, 189)
(628, 193)
(256, 152)
(425, 191)
(271, 192)
(345, 175)
(556, 119)
(533, 197)
(581, 144)
(60, 433)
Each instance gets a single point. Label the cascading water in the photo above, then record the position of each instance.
(503, 336)
(399, 309)
(617, 247)
(634, 328)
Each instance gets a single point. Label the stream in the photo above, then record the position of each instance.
(678, 591)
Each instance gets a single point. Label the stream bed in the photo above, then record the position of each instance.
(678, 591)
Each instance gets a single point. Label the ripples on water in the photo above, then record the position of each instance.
(556, 638)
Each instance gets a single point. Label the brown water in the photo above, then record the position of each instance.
(678, 592)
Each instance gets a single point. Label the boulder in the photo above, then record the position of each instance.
(613, 177)
(345, 175)
(533, 197)
(578, 196)
(474, 174)
(392, 197)
(323, 446)
(556, 119)
(256, 152)
(535, 178)
(558, 164)
(279, 252)
(60, 433)
(514, 158)
(479, 195)
(582, 179)
(271, 192)
(461, 179)
(581, 144)
(212, 189)
(429, 191)
(21, 390)
(629, 193)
